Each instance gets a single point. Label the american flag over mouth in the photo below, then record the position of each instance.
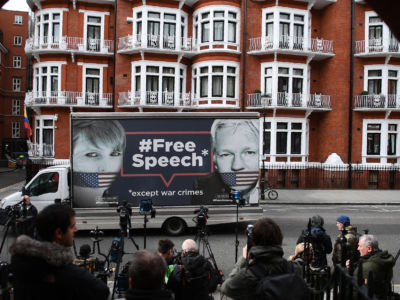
(239, 178)
(94, 180)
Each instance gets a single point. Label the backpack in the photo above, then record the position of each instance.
(284, 286)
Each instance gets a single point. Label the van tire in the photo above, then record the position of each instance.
(174, 226)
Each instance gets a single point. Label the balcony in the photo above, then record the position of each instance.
(155, 99)
(316, 49)
(40, 150)
(377, 48)
(68, 99)
(289, 101)
(379, 102)
(155, 43)
(69, 44)
(171, 100)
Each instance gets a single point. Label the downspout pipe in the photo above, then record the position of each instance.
(244, 56)
(350, 183)
(115, 52)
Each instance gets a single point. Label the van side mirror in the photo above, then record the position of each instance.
(57, 201)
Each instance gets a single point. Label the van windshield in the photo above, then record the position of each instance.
(44, 184)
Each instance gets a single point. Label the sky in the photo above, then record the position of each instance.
(16, 5)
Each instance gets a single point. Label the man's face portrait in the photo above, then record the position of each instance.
(236, 150)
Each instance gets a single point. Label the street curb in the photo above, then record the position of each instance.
(330, 203)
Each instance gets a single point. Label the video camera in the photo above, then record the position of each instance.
(201, 217)
(146, 208)
(96, 234)
(125, 213)
(237, 197)
(176, 258)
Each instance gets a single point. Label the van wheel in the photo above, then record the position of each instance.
(174, 226)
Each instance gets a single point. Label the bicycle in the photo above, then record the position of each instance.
(271, 193)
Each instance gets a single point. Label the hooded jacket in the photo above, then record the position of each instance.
(192, 279)
(352, 240)
(44, 270)
(241, 282)
(321, 245)
(381, 264)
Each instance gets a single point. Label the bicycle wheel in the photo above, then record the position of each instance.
(272, 195)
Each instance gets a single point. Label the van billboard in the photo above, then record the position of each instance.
(174, 159)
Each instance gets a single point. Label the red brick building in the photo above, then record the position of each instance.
(13, 73)
(290, 60)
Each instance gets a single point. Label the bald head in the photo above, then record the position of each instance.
(147, 270)
(189, 246)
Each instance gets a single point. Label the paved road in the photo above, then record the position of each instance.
(381, 220)
(9, 177)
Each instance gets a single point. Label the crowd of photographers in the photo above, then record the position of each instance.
(42, 263)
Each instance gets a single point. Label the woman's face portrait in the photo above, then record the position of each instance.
(100, 158)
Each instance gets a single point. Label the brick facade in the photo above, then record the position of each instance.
(305, 46)
(13, 65)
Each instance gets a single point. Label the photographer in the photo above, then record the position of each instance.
(25, 224)
(146, 277)
(191, 280)
(320, 241)
(125, 213)
(44, 269)
(266, 253)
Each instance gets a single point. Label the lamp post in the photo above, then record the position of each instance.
(264, 102)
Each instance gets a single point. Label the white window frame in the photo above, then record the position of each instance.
(276, 10)
(16, 130)
(384, 132)
(17, 62)
(92, 13)
(275, 67)
(143, 75)
(304, 138)
(16, 82)
(101, 76)
(196, 75)
(17, 40)
(16, 107)
(197, 24)
(39, 25)
(385, 76)
(39, 127)
(38, 76)
(144, 10)
(18, 19)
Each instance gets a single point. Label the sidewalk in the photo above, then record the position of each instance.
(5, 169)
(335, 197)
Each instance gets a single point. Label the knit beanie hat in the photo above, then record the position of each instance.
(344, 219)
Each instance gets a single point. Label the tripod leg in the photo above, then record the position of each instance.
(4, 237)
(134, 243)
(120, 254)
(236, 232)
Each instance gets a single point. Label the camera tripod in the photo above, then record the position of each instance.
(124, 231)
(202, 237)
(7, 225)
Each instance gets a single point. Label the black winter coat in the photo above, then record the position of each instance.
(44, 270)
(135, 294)
(191, 280)
(321, 244)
